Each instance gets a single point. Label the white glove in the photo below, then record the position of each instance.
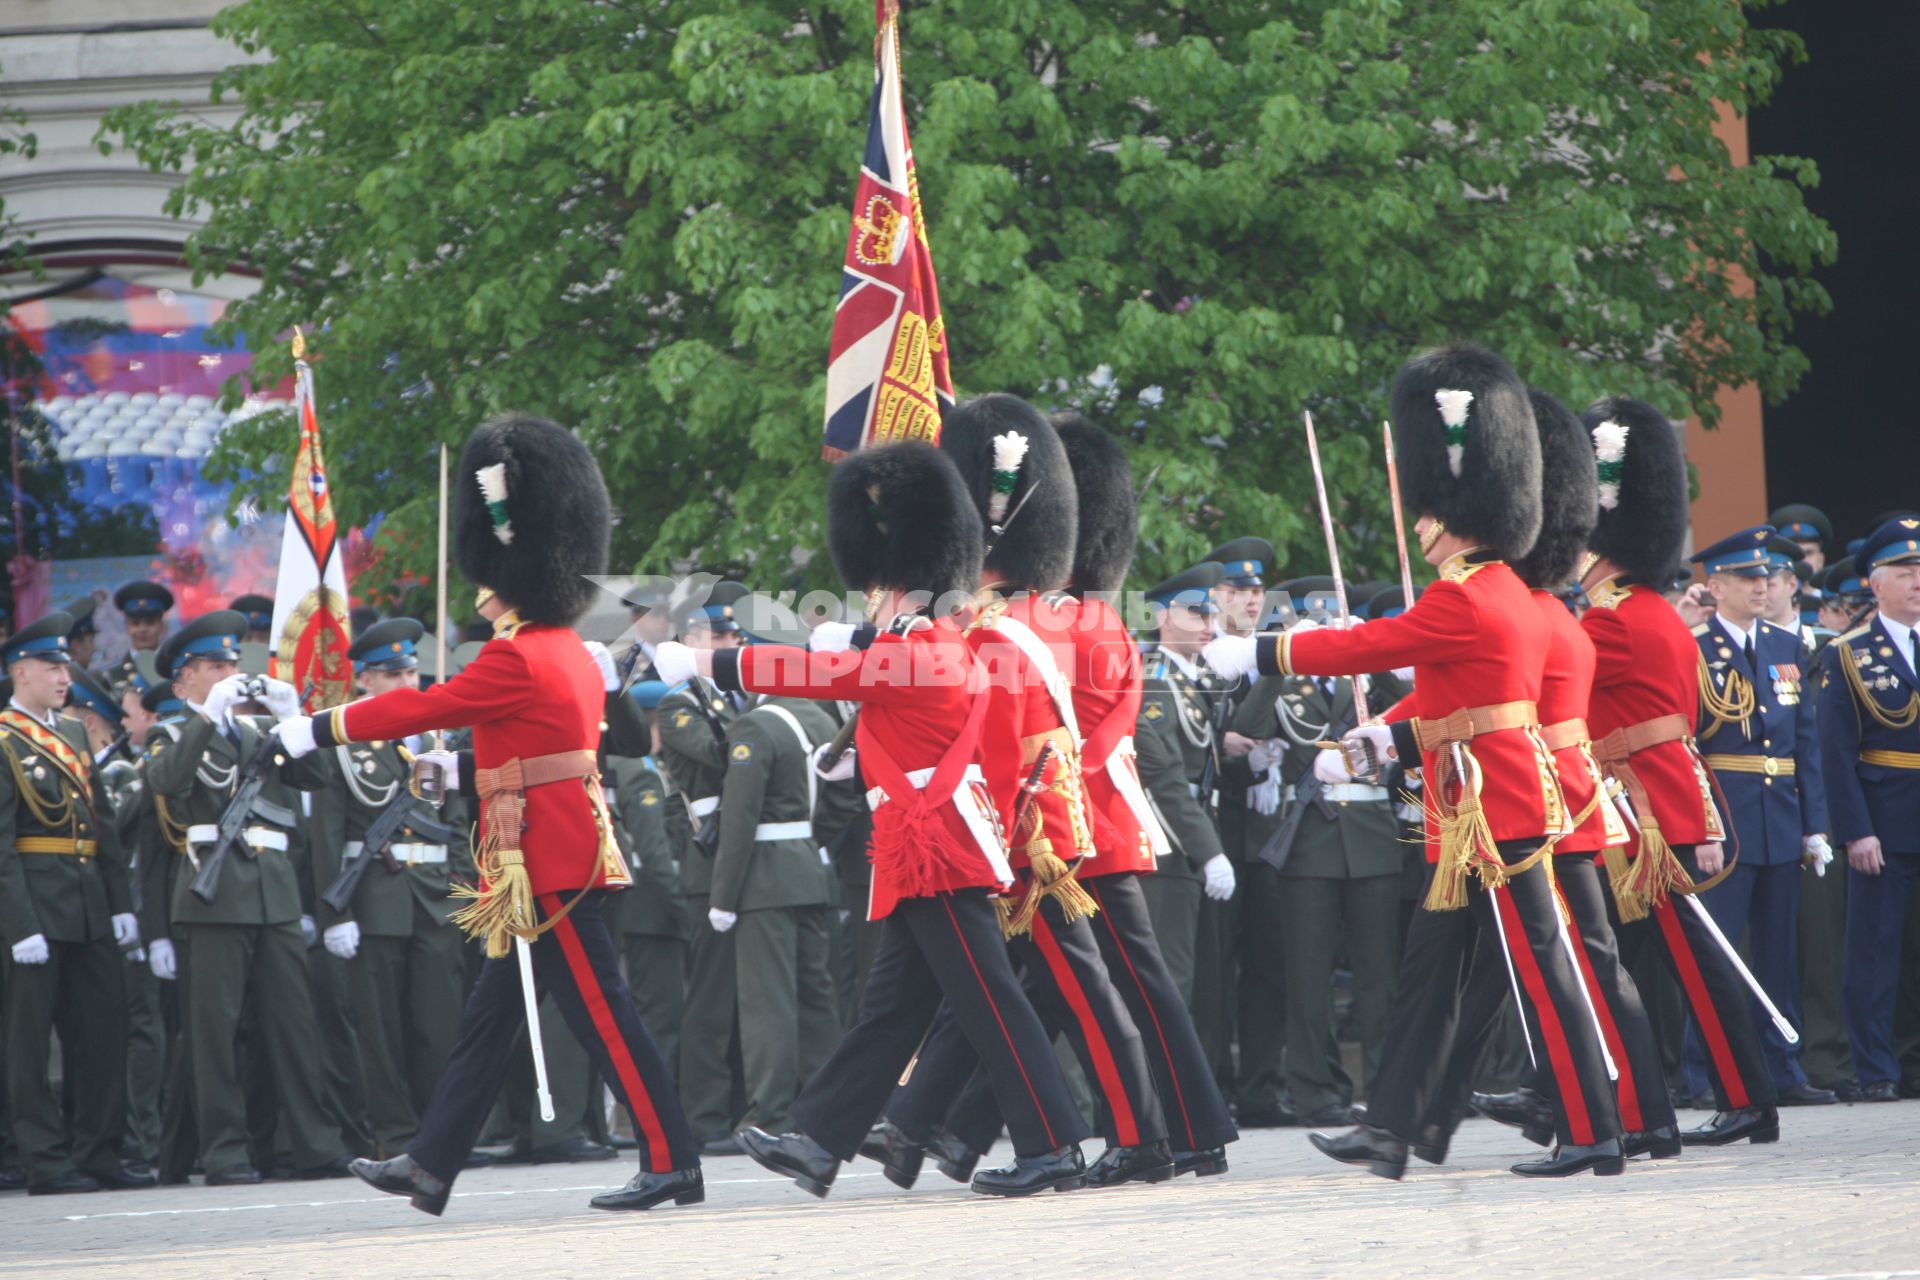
(1817, 852)
(675, 662)
(161, 960)
(1219, 874)
(603, 659)
(1266, 754)
(1263, 797)
(1403, 674)
(831, 637)
(1331, 767)
(1379, 735)
(1305, 625)
(32, 950)
(309, 930)
(1230, 657)
(282, 699)
(842, 768)
(342, 939)
(721, 920)
(296, 735)
(126, 930)
(447, 763)
(222, 696)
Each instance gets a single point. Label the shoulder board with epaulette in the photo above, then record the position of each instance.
(1153, 666)
(1774, 626)
(1461, 572)
(1856, 632)
(1607, 594)
(1700, 630)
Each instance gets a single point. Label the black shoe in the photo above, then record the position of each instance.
(1324, 1117)
(400, 1176)
(1357, 1113)
(13, 1178)
(1604, 1158)
(234, 1175)
(573, 1151)
(1848, 1091)
(340, 1168)
(1062, 1169)
(1662, 1143)
(796, 1155)
(1201, 1164)
(1880, 1091)
(1433, 1143)
(1805, 1095)
(1910, 1086)
(682, 1186)
(127, 1177)
(722, 1144)
(1756, 1124)
(480, 1158)
(1149, 1162)
(1273, 1117)
(952, 1157)
(619, 1143)
(1523, 1109)
(72, 1182)
(899, 1156)
(1382, 1153)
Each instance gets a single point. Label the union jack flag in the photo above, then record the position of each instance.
(887, 376)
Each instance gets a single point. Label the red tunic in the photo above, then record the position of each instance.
(1647, 666)
(916, 692)
(1106, 692)
(534, 693)
(1473, 639)
(1564, 692)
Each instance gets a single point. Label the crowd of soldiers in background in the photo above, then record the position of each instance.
(302, 1015)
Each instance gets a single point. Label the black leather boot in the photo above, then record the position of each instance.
(1604, 1158)
(899, 1155)
(1756, 1124)
(1662, 1143)
(1382, 1153)
(796, 1155)
(952, 1157)
(1149, 1162)
(400, 1176)
(1062, 1169)
(682, 1186)
(1523, 1109)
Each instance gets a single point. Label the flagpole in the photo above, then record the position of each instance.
(440, 592)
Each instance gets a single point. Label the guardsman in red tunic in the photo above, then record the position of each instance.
(1568, 507)
(531, 520)
(1470, 458)
(1645, 698)
(902, 527)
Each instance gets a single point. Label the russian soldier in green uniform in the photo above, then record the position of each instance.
(143, 608)
(650, 918)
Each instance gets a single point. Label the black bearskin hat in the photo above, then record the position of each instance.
(1103, 479)
(1642, 488)
(1029, 540)
(1464, 437)
(898, 516)
(1568, 496)
(531, 517)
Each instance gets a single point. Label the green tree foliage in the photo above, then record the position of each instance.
(1192, 220)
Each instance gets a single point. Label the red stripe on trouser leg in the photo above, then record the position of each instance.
(1125, 1127)
(1559, 1052)
(1005, 1035)
(1626, 1093)
(1166, 1050)
(1687, 965)
(588, 984)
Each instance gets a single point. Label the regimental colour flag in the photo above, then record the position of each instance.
(887, 376)
(310, 597)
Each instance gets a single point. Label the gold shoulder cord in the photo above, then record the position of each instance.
(1893, 720)
(53, 816)
(1732, 707)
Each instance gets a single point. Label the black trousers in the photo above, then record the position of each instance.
(79, 994)
(947, 946)
(1713, 989)
(577, 962)
(1439, 979)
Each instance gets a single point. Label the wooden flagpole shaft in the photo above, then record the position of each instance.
(1361, 714)
(440, 593)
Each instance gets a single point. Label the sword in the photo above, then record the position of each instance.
(1500, 929)
(1580, 979)
(1399, 520)
(1361, 716)
(1780, 1022)
(524, 954)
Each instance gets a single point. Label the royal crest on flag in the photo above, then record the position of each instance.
(887, 376)
(310, 595)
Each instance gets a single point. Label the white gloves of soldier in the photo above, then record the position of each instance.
(126, 930)
(1379, 735)
(296, 735)
(160, 959)
(842, 768)
(342, 939)
(309, 930)
(1266, 754)
(282, 699)
(446, 764)
(1815, 852)
(1331, 767)
(1263, 797)
(831, 637)
(33, 950)
(675, 662)
(222, 697)
(603, 659)
(1219, 874)
(1230, 657)
(721, 920)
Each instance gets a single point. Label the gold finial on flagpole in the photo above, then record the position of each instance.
(299, 344)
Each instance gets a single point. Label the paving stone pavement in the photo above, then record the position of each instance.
(1840, 1196)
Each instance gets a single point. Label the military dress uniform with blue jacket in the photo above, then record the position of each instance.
(1870, 740)
(1757, 733)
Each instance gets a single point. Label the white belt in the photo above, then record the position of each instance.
(1123, 770)
(258, 837)
(702, 807)
(423, 854)
(802, 830)
(1348, 793)
(976, 811)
